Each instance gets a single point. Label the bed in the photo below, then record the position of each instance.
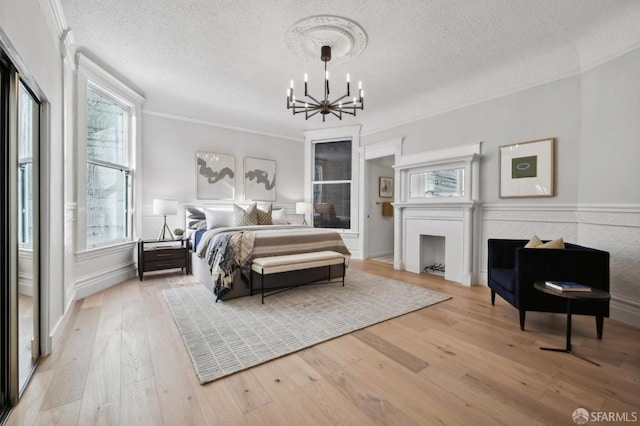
(222, 251)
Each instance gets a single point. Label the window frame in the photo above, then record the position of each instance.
(91, 76)
(333, 181)
(337, 134)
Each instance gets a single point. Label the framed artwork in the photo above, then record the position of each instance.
(259, 179)
(215, 176)
(526, 169)
(385, 187)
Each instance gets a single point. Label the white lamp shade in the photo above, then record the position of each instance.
(165, 207)
(304, 208)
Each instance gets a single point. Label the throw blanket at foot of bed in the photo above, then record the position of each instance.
(229, 252)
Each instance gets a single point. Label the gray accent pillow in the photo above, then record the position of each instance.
(264, 216)
(246, 217)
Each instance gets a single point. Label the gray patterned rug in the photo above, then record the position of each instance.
(226, 337)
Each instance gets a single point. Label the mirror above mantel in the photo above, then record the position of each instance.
(446, 175)
(437, 183)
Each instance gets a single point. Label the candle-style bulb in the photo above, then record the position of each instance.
(347, 77)
(292, 84)
(326, 75)
(305, 77)
(362, 93)
(359, 85)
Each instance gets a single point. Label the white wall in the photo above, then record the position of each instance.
(380, 228)
(609, 191)
(28, 28)
(169, 147)
(551, 110)
(595, 118)
(610, 132)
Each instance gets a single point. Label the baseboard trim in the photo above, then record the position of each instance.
(625, 310)
(91, 284)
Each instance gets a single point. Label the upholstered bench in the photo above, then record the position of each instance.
(295, 262)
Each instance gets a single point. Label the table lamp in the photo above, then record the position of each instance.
(164, 208)
(304, 209)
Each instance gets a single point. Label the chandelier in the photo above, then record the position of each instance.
(312, 106)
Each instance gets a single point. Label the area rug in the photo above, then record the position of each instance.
(226, 337)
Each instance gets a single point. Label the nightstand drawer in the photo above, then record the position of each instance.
(164, 254)
(156, 265)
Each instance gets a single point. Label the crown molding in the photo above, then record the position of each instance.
(64, 32)
(213, 124)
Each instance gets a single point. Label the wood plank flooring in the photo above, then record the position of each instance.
(463, 361)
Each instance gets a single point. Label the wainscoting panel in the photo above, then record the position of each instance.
(101, 268)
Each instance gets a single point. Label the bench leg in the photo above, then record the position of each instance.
(250, 282)
(262, 280)
(344, 270)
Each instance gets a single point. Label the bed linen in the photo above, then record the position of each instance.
(231, 249)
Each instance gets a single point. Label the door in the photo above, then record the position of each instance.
(4, 242)
(19, 225)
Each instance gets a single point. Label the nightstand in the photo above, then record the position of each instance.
(155, 255)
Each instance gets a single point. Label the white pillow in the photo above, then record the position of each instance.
(219, 218)
(278, 217)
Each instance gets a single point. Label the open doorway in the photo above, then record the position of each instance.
(378, 238)
(379, 211)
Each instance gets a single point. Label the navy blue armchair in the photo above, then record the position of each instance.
(512, 270)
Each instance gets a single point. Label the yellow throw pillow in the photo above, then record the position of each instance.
(533, 242)
(558, 243)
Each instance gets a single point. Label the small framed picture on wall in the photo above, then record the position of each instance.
(385, 187)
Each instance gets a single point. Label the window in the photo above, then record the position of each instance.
(108, 156)
(332, 184)
(108, 169)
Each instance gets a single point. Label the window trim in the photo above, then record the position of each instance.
(94, 76)
(336, 134)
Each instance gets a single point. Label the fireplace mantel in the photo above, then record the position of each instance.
(451, 217)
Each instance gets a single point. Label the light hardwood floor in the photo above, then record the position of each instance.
(461, 362)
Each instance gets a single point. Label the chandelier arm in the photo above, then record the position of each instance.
(338, 100)
(311, 115)
(314, 99)
(334, 113)
(344, 111)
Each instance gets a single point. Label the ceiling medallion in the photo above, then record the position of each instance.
(346, 38)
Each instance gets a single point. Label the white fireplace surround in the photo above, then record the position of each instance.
(453, 218)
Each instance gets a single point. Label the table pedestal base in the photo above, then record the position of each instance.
(572, 353)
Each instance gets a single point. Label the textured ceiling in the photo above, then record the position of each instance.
(227, 62)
